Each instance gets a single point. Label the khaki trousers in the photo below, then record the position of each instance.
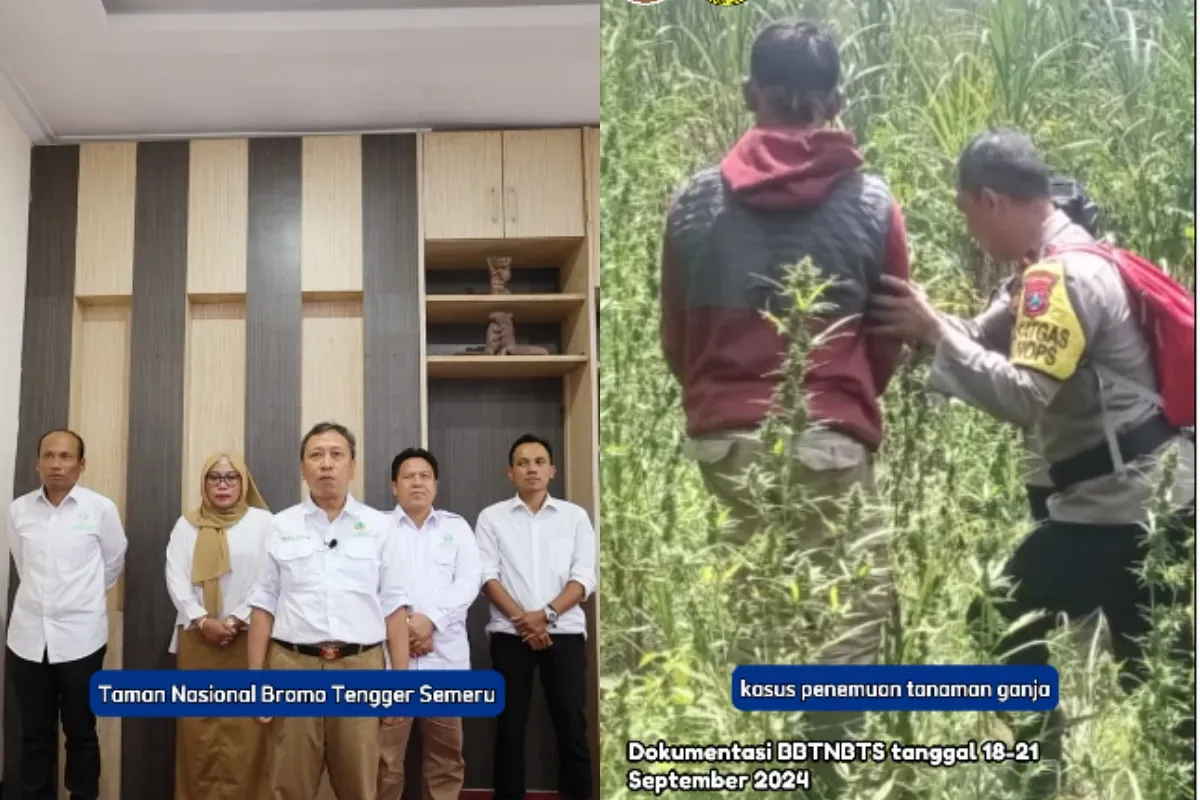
(300, 748)
(442, 765)
(830, 466)
(218, 758)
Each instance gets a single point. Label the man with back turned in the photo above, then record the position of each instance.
(791, 189)
(330, 596)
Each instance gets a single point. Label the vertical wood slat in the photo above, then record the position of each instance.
(158, 333)
(45, 372)
(273, 319)
(331, 233)
(332, 378)
(392, 302)
(104, 255)
(100, 414)
(217, 216)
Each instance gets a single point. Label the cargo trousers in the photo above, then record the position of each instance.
(830, 466)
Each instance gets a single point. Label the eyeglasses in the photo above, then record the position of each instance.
(229, 478)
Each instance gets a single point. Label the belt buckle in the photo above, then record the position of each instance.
(329, 652)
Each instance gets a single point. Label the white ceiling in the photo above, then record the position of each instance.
(72, 71)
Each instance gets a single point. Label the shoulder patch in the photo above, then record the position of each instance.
(1048, 336)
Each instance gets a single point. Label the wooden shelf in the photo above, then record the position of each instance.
(473, 253)
(523, 307)
(502, 366)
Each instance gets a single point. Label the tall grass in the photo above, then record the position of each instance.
(1107, 91)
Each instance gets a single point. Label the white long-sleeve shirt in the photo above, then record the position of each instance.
(321, 592)
(534, 556)
(67, 558)
(444, 576)
(247, 541)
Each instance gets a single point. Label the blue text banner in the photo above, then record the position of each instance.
(895, 688)
(297, 693)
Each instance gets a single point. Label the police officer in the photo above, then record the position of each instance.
(329, 597)
(1084, 557)
(1070, 198)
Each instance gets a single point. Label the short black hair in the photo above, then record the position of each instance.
(795, 62)
(413, 452)
(327, 427)
(1005, 161)
(529, 438)
(69, 432)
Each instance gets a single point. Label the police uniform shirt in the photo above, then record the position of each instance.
(444, 572)
(246, 541)
(1071, 313)
(331, 581)
(67, 557)
(535, 555)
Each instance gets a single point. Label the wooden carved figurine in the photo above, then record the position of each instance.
(500, 272)
(502, 338)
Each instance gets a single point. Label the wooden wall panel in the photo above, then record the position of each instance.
(215, 405)
(591, 178)
(273, 319)
(472, 425)
(158, 332)
(100, 414)
(104, 250)
(332, 382)
(332, 230)
(391, 308)
(217, 216)
(45, 367)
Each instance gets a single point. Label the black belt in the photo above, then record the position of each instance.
(328, 652)
(1097, 461)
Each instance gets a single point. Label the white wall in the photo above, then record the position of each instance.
(14, 227)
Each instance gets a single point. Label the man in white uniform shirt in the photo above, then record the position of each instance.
(539, 564)
(444, 575)
(330, 595)
(68, 545)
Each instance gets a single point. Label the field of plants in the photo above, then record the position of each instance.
(1107, 90)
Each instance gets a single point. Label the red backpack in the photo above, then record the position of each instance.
(1166, 313)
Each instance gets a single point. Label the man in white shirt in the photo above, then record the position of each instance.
(330, 594)
(68, 545)
(539, 564)
(444, 575)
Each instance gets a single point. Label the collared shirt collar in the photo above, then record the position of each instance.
(353, 508)
(518, 503)
(431, 521)
(71, 495)
(1053, 230)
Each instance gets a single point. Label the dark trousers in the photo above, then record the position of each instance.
(46, 692)
(563, 671)
(1076, 569)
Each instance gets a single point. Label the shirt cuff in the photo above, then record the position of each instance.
(264, 601)
(586, 581)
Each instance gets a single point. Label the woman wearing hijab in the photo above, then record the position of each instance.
(212, 562)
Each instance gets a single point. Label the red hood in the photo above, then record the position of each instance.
(778, 168)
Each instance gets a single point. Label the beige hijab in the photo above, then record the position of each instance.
(210, 559)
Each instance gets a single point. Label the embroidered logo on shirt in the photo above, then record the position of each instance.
(447, 538)
(360, 529)
(1038, 286)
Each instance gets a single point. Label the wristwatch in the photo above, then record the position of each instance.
(551, 615)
